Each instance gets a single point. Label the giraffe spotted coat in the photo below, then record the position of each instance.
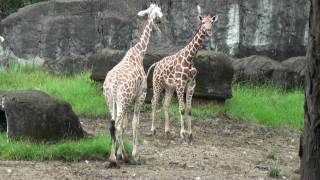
(177, 73)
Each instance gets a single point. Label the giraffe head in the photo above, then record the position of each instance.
(153, 12)
(207, 23)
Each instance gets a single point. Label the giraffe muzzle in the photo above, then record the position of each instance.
(157, 20)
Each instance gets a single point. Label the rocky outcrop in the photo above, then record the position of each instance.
(64, 30)
(256, 69)
(215, 76)
(213, 81)
(292, 75)
(37, 116)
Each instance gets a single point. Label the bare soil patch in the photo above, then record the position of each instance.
(223, 149)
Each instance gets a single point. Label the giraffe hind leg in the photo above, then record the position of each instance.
(190, 90)
(112, 130)
(155, 99)
(122, 109)
(135, 123)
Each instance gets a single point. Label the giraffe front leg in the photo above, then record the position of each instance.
(180, 94)
(190, 90)
(166, 102)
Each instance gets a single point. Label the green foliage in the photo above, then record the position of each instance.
(10, 6)
(94, 148)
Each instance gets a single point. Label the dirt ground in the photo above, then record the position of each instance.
(222, 149)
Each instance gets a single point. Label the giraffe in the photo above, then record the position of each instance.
(127, 82)
(177, 73)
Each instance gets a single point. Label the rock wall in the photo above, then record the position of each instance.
(64, 32)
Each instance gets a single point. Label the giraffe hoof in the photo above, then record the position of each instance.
(153, 132)
(136, 161)
(125, 157)
(126, 160)
(168, 134)
(190, 139)
(183, 135)
(119, 157)
(113, 165)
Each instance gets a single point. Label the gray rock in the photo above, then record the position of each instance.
(59, 30)
(297, 65)
(213, 81)
(103, 61)
(255, 68)
(215, 76)
(37, 116)
(292, 76)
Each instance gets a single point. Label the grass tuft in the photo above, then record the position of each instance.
(273, 153)
(274, 171)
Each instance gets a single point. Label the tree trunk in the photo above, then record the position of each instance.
(310, 141)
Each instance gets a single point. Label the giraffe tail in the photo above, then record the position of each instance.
(149, 70)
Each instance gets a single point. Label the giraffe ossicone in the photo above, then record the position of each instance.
(177, 73)
(127, 82)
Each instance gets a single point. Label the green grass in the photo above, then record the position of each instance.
(94, 148)
(265, 104)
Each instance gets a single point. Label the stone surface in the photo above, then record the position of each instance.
(213, 81)
(255, 68)
(67, 30)
(292, 76)
(37, 116)
(215, 76)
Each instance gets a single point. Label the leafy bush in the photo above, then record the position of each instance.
(10, 6)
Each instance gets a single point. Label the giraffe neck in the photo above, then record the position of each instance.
(195, 43)
(144, 38)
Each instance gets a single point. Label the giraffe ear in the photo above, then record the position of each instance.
(215, 18)
(143, 13)
(200, 18)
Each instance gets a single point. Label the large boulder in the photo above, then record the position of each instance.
(215, 76)
(292, 75)
(288, 74)
(213, 81)
(255, 68)
(67, 30)
(37, 116)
